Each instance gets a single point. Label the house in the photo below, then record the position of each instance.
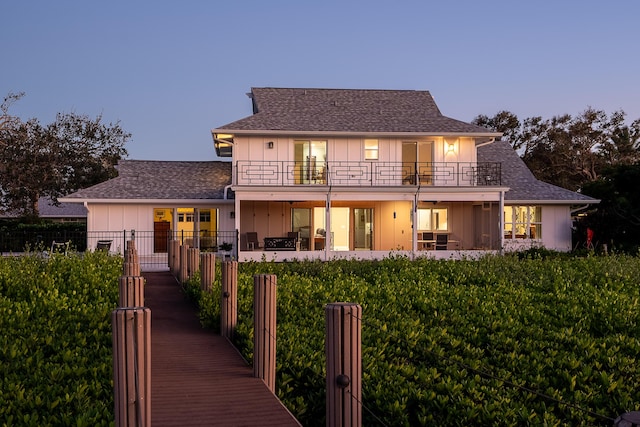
(361, 173)
(61, 212)
(158, 200)
(327, 173)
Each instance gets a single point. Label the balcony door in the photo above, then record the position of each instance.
(417, 162)
(309, 162)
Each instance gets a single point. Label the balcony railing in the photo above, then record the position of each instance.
(368, 174)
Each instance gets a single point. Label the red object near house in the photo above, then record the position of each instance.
(589, 238)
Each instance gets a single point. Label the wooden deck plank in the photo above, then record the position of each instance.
(197, 377)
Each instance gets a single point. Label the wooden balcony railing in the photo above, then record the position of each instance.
(368, 174)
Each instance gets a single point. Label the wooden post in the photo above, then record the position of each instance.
(207, 271)
(132, 366)
(131, 291)
(229, 299)
(175, 257)
(344, 364)
(182, 275)
(131, 266)
(264, 323)
(193, 261)
(131, 255)
(131, 269)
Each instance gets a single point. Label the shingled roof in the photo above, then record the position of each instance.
(167, 180)
(348, 110)
(524, 186)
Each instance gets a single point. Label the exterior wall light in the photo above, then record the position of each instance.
(270, 144)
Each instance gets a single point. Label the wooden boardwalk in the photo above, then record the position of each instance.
(197, 377)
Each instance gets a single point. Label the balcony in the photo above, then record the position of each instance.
(367, 174)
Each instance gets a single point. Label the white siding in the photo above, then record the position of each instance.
(556, 227)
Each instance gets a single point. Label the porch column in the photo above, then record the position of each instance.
(196, 228)
(327, 234)
(414, 225)
(501, 225)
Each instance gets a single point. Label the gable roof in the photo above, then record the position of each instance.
(348, 110)
(160, 180)
(524, 186)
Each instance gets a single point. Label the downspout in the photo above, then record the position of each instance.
(490, 141)
(579, 209)
(226, 189)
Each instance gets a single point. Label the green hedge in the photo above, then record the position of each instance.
(500, 341)
(55, 339)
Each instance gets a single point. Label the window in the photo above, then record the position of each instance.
(433, 219)
(185, 217)
(310, 158)
(371, 149)
(205, 215)
(522, 222)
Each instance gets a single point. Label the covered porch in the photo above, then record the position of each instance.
(345, 226)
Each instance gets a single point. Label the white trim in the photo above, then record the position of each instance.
(149, 201)
(549, 202)
(296, 133)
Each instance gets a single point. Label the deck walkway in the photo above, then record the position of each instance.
(197, 377)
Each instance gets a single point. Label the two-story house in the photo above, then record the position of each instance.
(326, 173)
(366, 172)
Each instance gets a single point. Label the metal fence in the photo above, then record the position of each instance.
(22, 240)
(151, 246)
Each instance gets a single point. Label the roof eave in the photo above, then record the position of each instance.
(550, 202)
(146, 201)
(351, 133)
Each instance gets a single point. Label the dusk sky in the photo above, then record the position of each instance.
(172, 71)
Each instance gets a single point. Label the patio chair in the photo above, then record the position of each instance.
(60, 247)
(104, 245)
(442, 241)
(428, 240)
(252, 240)
(295, 235)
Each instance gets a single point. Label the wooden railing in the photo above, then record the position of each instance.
(369, 174)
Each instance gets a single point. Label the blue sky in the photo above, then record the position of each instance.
(172, 71)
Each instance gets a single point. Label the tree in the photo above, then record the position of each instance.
(505, 122)
(71, 153)
(570, 151)
(6, 120)
(616, 219)
(624, 145)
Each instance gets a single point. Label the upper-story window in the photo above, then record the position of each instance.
(310, 162)
(522, 222)
(371, 149)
